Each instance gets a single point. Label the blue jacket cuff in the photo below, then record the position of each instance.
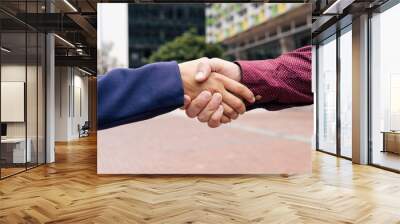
(130, 95)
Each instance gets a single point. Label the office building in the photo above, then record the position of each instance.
(258, 30)
(152, 25)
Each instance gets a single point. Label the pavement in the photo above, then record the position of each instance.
(259, 142)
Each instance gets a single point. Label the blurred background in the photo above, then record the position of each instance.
(146, 33)
(229, 30)
(181, 32)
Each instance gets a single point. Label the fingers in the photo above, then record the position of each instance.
(234, 102)
(212, 106)
(208, 109)
(229, 111)
(238, 89)
(206, 66)
(225, 119)
(203, 70)
(198, 104)
(215, 119)
(186, 102)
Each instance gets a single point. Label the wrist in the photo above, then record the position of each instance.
(239, 72)
(185, 77)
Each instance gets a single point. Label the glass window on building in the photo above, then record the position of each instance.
(265, 51)
(148, 31)
(326, 75)
(346, 92)
(385, 89)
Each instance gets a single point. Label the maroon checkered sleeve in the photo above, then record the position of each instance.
(281, 82)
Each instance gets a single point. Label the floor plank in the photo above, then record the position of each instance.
(70, 191)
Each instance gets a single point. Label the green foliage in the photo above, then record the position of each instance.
(188, 46)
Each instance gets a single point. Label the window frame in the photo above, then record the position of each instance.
(378, 10)
(27, 29)
(333, 36)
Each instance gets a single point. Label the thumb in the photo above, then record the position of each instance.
(203, 71)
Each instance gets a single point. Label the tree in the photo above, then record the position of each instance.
(188, 46)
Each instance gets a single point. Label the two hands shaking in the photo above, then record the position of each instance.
(213, 92)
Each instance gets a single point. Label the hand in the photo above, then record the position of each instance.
(227, 68)
(232, 104)
(202, 107)
(209, 108)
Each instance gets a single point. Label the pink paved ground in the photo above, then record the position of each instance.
(259, 142)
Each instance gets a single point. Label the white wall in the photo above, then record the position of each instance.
(79, 117)
(70, 81)
(61, 103)
(12, 73)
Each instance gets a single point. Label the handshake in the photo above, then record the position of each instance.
(213, 92)
(214, 89)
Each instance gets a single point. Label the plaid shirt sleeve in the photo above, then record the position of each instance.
(281, 82)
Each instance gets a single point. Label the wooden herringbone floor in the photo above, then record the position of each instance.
(69, 191)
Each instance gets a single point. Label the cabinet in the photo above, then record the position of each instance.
(391, 141)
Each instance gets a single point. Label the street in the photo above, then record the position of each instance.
(258, 142)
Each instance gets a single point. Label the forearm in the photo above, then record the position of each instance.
(280, 83)
(130, 95)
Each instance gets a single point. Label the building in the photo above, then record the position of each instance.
(152, 25)
(258, 30)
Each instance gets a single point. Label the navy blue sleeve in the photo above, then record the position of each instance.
(130, 95)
